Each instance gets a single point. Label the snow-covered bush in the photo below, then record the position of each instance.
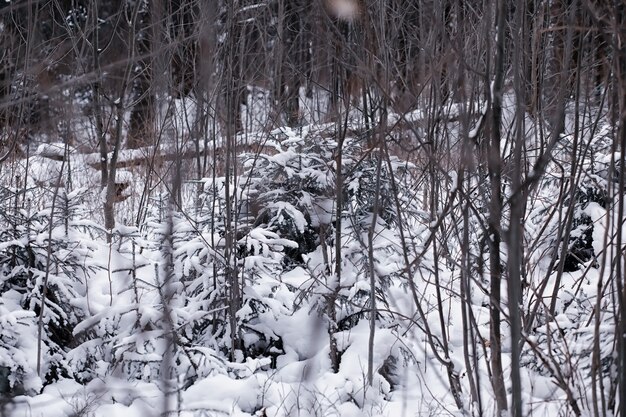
(45, 259)
(129, 332)
(292, 193)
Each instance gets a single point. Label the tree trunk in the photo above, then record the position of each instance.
(494, 163)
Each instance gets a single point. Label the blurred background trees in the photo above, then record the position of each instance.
(485, 139)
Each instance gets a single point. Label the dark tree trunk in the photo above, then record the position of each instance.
(291, 73)
(494, 163)
(142, 114)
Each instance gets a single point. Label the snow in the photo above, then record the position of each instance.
(225, 395)
(112, 293)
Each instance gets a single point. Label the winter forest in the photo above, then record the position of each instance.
(312, 208)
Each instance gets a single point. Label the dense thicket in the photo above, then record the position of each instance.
(327, 205)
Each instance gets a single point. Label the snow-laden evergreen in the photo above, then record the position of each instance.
(141, 321)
